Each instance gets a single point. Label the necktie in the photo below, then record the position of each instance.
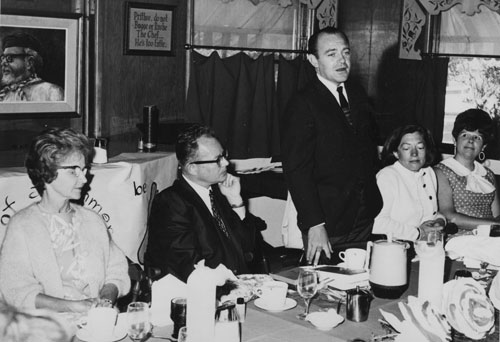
(344, 105)
(218, 218)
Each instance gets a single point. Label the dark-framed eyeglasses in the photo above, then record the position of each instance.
(9, 57)
(218, 160)
(75, 170)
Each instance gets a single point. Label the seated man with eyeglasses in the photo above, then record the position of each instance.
(202, 215)
(20, 61)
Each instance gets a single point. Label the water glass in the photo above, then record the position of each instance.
(138, 320)
(307, 286)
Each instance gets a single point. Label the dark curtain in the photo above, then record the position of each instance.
(292, 77)
(425, 94)
(235, 97)
(238, 98)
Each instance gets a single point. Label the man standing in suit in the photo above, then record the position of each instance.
(329, 151)
(202, 215)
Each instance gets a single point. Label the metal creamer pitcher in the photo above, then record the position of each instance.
(358, 304)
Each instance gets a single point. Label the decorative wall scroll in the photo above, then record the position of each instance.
(326, 11)
(415, 13)
(412, 23)
(469, 7)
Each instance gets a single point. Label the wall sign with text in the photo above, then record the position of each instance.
(149, 29)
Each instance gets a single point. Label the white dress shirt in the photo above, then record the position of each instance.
(204, 194)
(333, 88)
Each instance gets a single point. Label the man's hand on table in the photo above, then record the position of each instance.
(317, 241)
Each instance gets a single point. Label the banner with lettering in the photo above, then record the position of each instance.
(120, 192)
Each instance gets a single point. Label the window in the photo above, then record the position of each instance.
(277, 25)
(473, 82)
(462, 34)
(474, 68)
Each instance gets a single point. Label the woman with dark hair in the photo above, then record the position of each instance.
(57, 254)
(467, 190)
(408, 185)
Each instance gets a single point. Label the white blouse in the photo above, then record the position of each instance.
(409, 200)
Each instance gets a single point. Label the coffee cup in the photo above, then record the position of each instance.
(482, 230)
(101, 323)
(273, 293)
(354, 258)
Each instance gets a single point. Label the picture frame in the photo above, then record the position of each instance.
(149, 29)
(55, 87)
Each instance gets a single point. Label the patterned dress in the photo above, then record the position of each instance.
(467, 202)
(69, 256)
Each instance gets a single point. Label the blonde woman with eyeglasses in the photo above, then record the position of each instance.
(56, 254)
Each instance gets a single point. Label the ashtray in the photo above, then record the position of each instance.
(325, 320)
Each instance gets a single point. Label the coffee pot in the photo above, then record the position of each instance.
(388, 267)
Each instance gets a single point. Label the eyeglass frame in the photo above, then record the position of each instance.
(9, 57)
(82, 171)
(218, 160)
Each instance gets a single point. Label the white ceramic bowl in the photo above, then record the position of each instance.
(325, 320)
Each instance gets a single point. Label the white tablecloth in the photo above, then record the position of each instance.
(120, 192)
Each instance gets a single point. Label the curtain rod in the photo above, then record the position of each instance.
(428, 54)
(192, 46)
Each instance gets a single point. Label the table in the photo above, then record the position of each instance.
(120, 191)
(263, 326)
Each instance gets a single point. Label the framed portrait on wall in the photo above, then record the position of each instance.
(149, 29)
(41, 65)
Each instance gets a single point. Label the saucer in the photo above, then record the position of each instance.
(85, 335)
(289, 304)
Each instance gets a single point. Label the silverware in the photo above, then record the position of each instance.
(163, 338)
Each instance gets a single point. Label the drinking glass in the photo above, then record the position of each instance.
(307, 286)
(182, 337)
(178, 310)
(138, 320)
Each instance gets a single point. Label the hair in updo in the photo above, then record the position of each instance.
(474, 119)
(49, 149)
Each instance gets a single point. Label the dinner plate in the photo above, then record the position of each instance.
(85, 335)
(289, 304)
(246, 286)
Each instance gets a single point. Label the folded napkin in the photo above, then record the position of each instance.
(162, 292)
(475, 248)
(467, 308)
(421, 322)
(201, 301)
(254, 165)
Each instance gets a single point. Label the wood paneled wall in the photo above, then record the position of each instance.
(373, 30)
(130, 82)
(127, 82)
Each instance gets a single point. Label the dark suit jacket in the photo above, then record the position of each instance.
(182, 232)
(327, 163)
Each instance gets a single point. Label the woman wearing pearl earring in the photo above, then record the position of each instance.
(467, 193)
